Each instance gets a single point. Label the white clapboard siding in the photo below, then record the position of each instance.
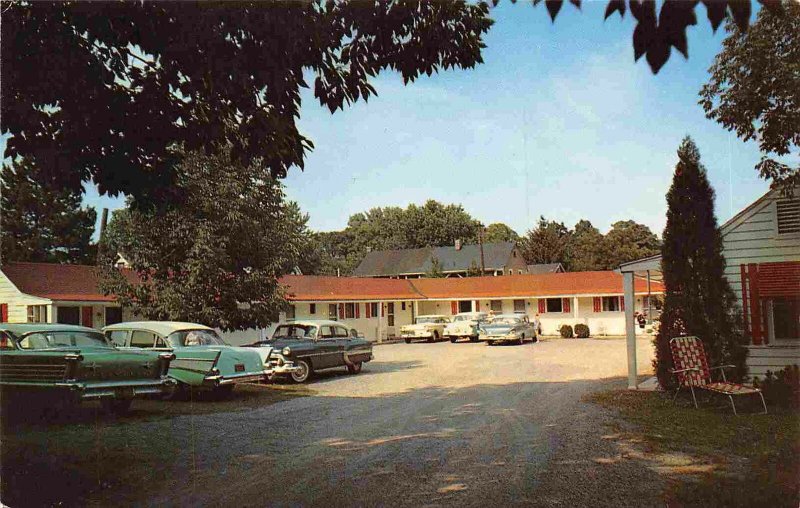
(17, 301)
(760, 359)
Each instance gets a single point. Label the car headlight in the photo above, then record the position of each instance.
(286, 351)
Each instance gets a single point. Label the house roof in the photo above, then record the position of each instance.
(419, 261)
(545, 284)
(58, 282)
(322, 288)
(546, 268)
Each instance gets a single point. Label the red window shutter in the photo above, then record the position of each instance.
(542, 306)
(341, 311)
(86, 317)
(621, 303)
(357, 306)
(597, 304)
(565, 305)
(367, 310)
(477, 306)
(3, 313)
(454, 307)
(383, 310)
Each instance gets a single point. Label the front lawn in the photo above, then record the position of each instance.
(749, 460)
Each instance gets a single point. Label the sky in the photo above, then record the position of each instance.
(558, 121)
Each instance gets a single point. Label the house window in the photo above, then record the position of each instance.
(312, 308)
(519, 305)
(113, 315)
(788, 215)
(554, 305)
(390, 313)
(402, 305)
(373, 309)
(37, 313)
(786, 318)
(68, 315)
(496, 305)
(465, 306)
(290, 312)
(332, 311)
(611, 304)
(349, 310)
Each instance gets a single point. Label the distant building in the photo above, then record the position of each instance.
(455, 261)
(546, 268)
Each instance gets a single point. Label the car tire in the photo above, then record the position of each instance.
(408, 341)
(453, 339)
(180, 392)
(116, 406)
(490, 342)
(521, 340)
(434, 337)
(222, 392)
(474, 338)
(305, 372)
(355, 368)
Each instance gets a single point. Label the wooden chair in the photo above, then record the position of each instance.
(691, 367)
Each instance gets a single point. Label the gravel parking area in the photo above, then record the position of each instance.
(423, 424)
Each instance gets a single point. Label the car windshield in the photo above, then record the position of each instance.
(190, 338)
(295, 332)
(60, 339)
(506, 320)
(462, 318)
(429, 319)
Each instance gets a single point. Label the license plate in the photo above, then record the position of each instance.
(239, 367)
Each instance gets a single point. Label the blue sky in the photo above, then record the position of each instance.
(558, 121)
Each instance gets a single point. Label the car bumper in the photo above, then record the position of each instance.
(233, 379)
(117, 389)
(497, 338)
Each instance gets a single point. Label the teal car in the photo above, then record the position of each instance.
(75, 363)
(202, 359)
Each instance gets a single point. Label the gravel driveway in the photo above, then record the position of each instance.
(423, 424)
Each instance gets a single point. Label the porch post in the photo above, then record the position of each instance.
(630, 328)
(575, 307)
(380, 321)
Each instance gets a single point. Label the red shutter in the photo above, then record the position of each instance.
(383, 310)
(368, 310)
(358, 307)
(477, 306)
(745, 300)
(755, 305)
(597, 304)
(621, 303)
(3, 313)
(542, 306)
(454, 307)
(341, 311)
(565, 304)
(86, 317)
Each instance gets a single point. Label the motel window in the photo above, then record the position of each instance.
(312, 308)
(496, 305)
(290, 312)
(37, 313)
(68, 315)
(332, 312)
(349, 310)
(611, 304)
(785, 318)
(390, 313)
(465, 306)
(554, 305)
(519, 305)
(403, 306)
(373, 309)
(113, 315)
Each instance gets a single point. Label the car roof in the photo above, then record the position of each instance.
(160, 327)
(23, 328)
(509, 315)
(315, 322)
(433, 315)
(476, 313)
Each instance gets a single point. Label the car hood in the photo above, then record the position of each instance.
(497, 329)
(421, 326)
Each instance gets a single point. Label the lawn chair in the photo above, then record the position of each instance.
(691, 367)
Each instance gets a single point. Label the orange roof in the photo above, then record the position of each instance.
(316, 287)
(57, 282)
(535, 285)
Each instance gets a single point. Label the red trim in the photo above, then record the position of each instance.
(755, 306)
(542, 306)
(454, 307)
(621, 303)
(341, 311)
(383, 310)
(745, 314)
(477, 305)
(3, 313)
(597, 304)
(368, 310)
(358, 310)
(86, 317)
(565, 305)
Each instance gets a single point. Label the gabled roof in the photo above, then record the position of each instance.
(58, 282)
(751, 209)
(420, 261)
(545, 268)
(322, 288)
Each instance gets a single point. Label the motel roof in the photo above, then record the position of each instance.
(324, 288)
(58, 282)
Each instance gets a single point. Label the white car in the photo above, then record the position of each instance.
(465, 326)
(430, 328)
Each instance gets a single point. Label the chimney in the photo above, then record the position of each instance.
(458, 244)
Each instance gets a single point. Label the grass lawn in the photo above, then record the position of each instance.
(749, 460)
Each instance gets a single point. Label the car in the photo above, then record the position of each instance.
(202, 359)
(507, 328)
(465, 326)
(76, 363)
(430, 328)
(316, 344)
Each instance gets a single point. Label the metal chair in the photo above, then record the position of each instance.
(692, 370)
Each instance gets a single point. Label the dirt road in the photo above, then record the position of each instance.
(424, 424)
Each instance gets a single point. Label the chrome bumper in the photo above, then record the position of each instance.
(118, 389)
(219, 380)
(280, 367)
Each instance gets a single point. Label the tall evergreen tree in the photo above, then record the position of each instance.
(698, 301)
(548, 242)
(42, 222)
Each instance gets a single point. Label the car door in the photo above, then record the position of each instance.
(328, 349)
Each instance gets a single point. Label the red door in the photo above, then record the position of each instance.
(86, 316)
(3, 313)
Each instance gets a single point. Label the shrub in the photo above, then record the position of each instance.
(566, 331)
(781, 388)
(581, 331)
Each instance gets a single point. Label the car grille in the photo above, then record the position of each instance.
(32, 372)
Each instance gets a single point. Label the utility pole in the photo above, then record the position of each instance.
(480, 242)
(103, 224)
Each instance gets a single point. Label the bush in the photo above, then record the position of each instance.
(782, 388)
(581, 331)
(566, 331)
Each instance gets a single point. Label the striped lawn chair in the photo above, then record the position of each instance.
(691, 367)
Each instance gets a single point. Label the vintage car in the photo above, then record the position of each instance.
(507, 328)
(430, 328)
(202, 359)
(313, 345)
(465, 326)
(75, 363)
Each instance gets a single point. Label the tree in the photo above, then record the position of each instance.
(217, 258)
(434, 224)
(474, 270)
(627, 241)
(698, 299)
(548, 242)
(42, 222)
(111, 93)
(587, 248)
(754, 89)
(435, 271)
(499, 232)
